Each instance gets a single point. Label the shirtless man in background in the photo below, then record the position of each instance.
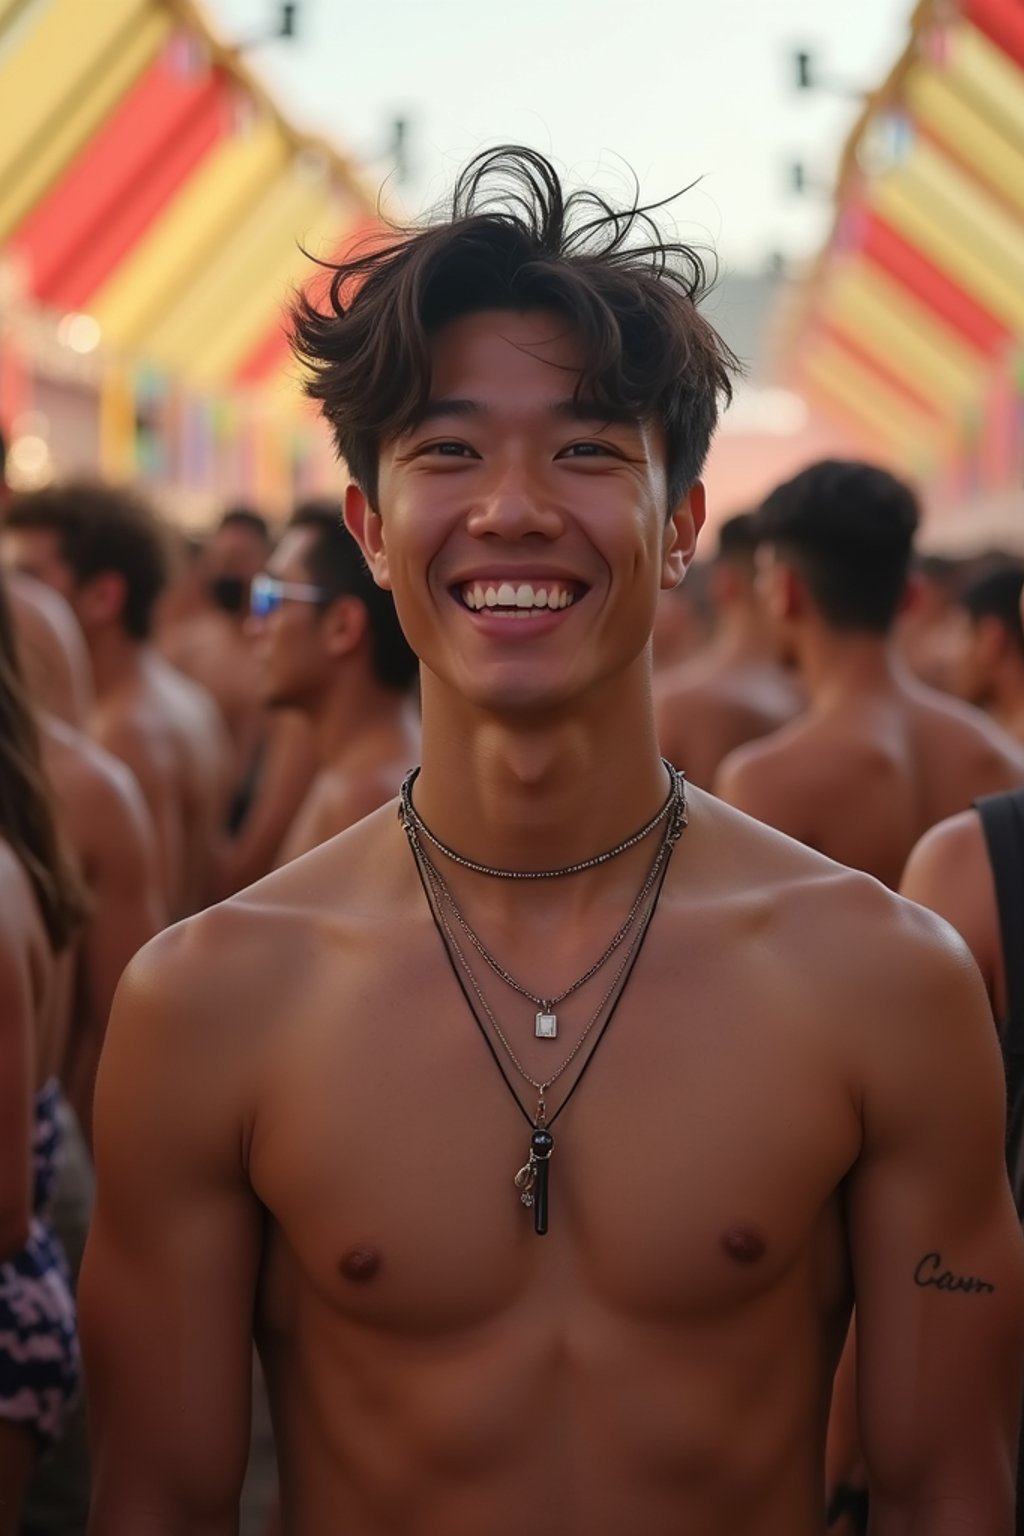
(735, 690)
(636, 1332)
(988, 668)
(878, 757)
(101, 549)
(329, 645)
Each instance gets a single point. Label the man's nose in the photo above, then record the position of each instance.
(514, 505)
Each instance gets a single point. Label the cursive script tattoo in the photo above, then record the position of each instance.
(930, 1272)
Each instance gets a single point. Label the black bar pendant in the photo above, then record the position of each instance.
(542, 1144)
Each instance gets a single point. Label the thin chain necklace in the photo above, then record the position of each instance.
(546, 1021)
(410, 817)
(531, 1180)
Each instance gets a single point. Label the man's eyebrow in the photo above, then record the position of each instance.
(597, 410)
(434, 410)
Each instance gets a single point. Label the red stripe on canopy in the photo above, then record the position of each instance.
(115, 187)
(929, 284)
(870, 360)
(267, 357)
(1002, 21)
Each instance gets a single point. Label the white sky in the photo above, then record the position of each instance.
(674, 89)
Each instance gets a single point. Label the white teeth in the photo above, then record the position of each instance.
(521, 599)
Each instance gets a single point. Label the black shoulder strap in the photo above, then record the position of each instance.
(1002, 818)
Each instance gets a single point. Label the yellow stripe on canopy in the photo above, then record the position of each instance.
(956, 122)
(990, 74)
(244, 260)
(53, 59)
(948, 236)
(188, 234)
(870, 400)
(75, 120)
(884, 317)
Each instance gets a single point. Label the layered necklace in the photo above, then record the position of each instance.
(531, 1180)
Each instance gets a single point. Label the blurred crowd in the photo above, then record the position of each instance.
(186, 713)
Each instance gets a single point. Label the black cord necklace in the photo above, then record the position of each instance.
(532, 1178)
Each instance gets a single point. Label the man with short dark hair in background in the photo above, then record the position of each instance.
(329, 645)
(736, 690)
(102, 548)
(989, 663)
(878, 757)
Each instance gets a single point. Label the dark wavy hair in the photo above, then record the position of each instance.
(27, 820)
(101, 528)
(512, 239)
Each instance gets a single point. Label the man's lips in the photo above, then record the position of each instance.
(519, 594)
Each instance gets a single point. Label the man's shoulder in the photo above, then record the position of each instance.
(963, 728)
(844, 930)
(88, 777)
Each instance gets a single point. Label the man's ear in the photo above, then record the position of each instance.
(343, 625)
(681, 530)
(365, 526)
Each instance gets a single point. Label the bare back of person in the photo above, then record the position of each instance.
(863, 780)
(106, 823)
(210, 648)
(166, 729)
(706, 710)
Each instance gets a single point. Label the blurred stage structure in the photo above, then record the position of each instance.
(152, 204)
(909, 333)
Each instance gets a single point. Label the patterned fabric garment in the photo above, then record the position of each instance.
(39, 1364)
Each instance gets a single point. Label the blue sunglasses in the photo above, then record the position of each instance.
(266, 594)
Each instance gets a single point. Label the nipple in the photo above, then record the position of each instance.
(360, 1265)
(743, 1244)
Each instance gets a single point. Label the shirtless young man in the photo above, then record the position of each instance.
(102, 550)
(797, 1100)
(989, 665)
(329, 645)
(736, 690)
(878, 757)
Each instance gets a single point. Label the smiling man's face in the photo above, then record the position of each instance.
(524, 535)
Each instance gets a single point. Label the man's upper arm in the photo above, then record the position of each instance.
(168, 1281)
(936, 1247)
(949, 872)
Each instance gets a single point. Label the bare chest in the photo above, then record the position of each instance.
(694, 1168)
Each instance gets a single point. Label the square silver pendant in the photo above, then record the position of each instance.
(547, 1026)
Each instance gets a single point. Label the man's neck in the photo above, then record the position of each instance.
(539, 793)
(117, 660)
(837, 667)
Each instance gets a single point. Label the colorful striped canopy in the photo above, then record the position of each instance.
(911, 330)
(147, 180)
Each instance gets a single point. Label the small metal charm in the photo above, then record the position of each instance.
(546, 1025)
(525, 1180)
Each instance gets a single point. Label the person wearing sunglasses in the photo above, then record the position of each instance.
(328, 645)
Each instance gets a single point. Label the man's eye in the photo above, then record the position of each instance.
(587, 451)
(449, 450)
